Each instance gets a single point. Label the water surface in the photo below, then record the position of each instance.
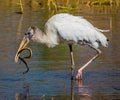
(49, 75)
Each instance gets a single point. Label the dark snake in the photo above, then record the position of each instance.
(26, 57)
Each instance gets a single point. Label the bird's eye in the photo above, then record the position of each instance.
(27, 33)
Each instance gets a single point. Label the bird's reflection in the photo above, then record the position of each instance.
(24, 94)
(79, 91)
(72, 89)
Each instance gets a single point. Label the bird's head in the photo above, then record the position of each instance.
(30, 32)
(26, 39)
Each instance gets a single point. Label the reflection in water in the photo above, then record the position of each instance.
(49, 74)
(23, 95)
(83, 93)
(72, 89)
(19, 29)
(78, 92)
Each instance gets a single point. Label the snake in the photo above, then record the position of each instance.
(26, 57)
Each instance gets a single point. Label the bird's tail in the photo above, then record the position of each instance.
(102, 39)
(100, 30)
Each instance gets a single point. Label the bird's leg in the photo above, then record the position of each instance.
(79, 72)
(72, 61)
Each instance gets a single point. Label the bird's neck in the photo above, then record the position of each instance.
(40, 37)
(43, 38)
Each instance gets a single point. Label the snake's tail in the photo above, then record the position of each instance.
(25, 64)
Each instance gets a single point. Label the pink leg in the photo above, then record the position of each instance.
(79, 72)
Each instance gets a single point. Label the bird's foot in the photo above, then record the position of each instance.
(79, 75)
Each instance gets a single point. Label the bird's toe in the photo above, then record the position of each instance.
(78, 75)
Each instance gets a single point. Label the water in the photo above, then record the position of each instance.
(49, 75)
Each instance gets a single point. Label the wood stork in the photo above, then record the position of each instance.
(70, 29)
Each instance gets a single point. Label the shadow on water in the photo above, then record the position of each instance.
(49, 75)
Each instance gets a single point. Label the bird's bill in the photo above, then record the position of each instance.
(23, 44)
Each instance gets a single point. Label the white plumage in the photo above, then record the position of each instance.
(70, 29)
(73, 28)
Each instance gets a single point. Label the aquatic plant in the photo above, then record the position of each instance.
(64, 5)
(104, 2)
(21, 7)
(52, 3)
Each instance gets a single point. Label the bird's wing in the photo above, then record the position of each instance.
(74, 28)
